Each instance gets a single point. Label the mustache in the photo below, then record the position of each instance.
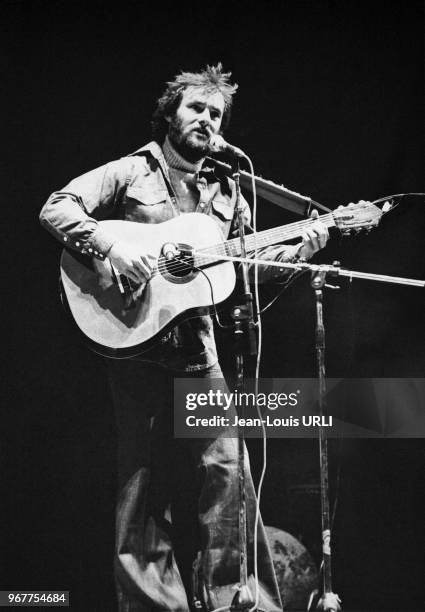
(204, 130)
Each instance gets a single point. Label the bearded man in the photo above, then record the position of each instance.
(177, 512)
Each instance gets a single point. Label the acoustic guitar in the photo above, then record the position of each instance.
(117, 324)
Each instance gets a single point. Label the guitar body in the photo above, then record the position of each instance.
(117, 326)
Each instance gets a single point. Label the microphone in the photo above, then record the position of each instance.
(219, 145)
(170, 251)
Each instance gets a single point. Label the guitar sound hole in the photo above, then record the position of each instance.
(179, 266)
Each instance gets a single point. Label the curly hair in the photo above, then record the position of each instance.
(210, 80)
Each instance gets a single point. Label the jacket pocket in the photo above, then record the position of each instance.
(148, 196)
(147, 204)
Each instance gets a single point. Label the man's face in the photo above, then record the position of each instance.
(197, 118)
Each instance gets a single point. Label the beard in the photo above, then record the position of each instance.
(187, 145)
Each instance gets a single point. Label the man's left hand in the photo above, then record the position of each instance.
(314, 238)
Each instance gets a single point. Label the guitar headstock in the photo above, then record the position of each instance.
(355, 218)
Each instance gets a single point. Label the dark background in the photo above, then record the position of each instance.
(331, 104)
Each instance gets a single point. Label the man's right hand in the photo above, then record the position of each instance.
(132, 262)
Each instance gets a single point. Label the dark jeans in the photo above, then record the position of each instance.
(178, 503)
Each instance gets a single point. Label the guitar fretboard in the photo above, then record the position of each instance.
(264, 238)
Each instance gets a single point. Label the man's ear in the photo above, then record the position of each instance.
(167, 118)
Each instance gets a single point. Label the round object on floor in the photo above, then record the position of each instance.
(296, 573)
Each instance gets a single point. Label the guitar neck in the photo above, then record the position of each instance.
(263, 239)
(283, 233)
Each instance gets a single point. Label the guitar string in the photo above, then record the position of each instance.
(264, 238)
(231, 245)
(288, 231)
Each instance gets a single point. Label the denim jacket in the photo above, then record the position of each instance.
(138, 188)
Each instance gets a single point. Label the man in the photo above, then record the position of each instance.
(178, 502)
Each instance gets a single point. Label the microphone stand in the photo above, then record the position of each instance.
(329, 601)
(245, 341)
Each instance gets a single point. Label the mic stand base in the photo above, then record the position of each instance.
(329, 602)
(243, 599)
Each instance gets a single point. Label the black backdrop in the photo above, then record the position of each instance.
(331, 104)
